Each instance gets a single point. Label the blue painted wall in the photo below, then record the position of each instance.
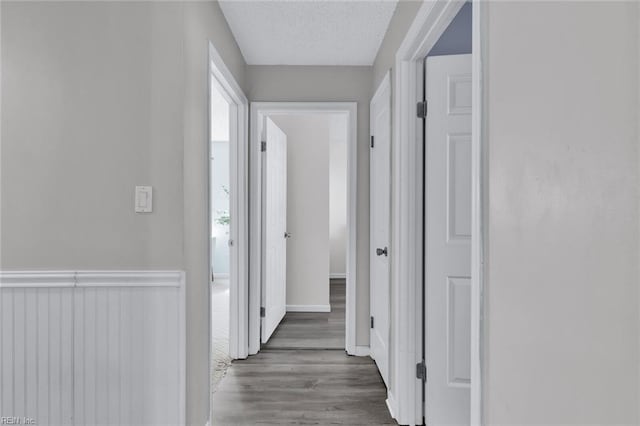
(456, 40)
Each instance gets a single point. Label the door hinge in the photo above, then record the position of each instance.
(263, 312)
(371, 322)
(263, 146)
(371, 141)
(421, 371)
(422, 109)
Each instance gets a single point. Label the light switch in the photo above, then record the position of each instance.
(144, 199)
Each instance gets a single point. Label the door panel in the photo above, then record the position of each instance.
(274, 220)
(448, 240)
(380, 219)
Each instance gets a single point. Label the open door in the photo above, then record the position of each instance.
(448, 240)
(274, 229)
(380, 223)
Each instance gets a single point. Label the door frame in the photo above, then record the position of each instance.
(259, 110)
(220, 76)
(405, 397)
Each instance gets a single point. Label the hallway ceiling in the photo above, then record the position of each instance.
(309, 32)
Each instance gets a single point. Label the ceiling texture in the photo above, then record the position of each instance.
(309, 32)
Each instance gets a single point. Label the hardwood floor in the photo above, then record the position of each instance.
(317, 330)
(304, 386)
(285, 386)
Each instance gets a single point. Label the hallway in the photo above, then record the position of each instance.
(314, 330)
(293, 381)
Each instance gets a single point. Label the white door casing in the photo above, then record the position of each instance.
(274, 219)
(380, 225)
(448, 240)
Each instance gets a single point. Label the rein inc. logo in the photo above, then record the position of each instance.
(17, 421)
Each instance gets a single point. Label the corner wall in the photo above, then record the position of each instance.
(96, 98)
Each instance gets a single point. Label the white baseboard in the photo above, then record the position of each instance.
(337, 276)
(308, 308)
(391, 404)
(361, 351)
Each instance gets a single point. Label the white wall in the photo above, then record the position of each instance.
(338, 132)
(96, 98)
(307, 207)
(561, 296)
(326, 83)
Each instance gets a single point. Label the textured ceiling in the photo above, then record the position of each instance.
(309, 32)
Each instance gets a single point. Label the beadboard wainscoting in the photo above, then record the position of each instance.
(93, 347)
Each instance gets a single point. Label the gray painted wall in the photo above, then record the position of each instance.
(401, 20)
(457, 38)
(89, 110)
(561, 290)
(96, 98)
(324, 83)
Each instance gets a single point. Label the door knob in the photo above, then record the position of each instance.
(380, 251)
(287, 235)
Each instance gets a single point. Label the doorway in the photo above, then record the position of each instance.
(437, 214)
(227, 218)
(446, 292)
(220, 235)
(318, 310)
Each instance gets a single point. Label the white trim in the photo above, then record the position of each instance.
(477, 212)
(361, 351)
(308, 308)
(223, 276)
(340, 276)
(258, 111)
(391, 404)
(238, 295)
(430, 22)
(61, 279)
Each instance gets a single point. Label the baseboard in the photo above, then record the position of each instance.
(308, 308)
(361, 351)
(391, 404)
(337, 276)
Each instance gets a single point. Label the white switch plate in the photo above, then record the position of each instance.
(144, 199)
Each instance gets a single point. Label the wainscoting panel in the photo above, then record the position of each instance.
(36, 350)
(101, 347)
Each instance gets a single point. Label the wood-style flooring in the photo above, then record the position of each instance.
(303, 386)
(318, 330)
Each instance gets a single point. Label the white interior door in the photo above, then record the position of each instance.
(380, 215)
(448, 240)
(274, 220)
